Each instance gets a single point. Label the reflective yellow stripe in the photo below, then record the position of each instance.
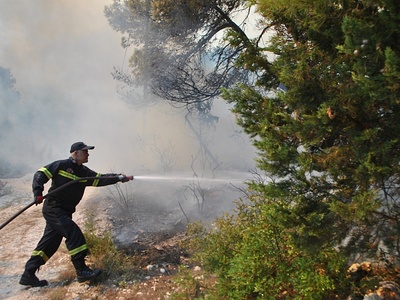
(67, 175)
(77, 250)
(74, 177)
(46, 172)
(41, 254)
(96, 181)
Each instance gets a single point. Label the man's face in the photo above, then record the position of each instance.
(82, 156)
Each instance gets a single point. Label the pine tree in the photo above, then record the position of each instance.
(323, 116)
(331, 140)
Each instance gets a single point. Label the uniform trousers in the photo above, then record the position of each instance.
(59, 225)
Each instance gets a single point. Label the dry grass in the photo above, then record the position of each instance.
(67, 276)
(57, 293)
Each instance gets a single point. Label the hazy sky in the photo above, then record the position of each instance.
(61, 54)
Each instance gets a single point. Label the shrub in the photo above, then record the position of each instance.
(104, 251)
(256, 258)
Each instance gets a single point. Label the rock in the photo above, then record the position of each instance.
(389, 290)
(372, 296)
(359, 271)
(197, 269)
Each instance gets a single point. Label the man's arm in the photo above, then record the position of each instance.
(39, 180)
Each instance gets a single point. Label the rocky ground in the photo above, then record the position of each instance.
(149, 218)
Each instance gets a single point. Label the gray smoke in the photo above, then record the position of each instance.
(61, 54)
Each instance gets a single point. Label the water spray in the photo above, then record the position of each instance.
(180, 178)
(124, 178)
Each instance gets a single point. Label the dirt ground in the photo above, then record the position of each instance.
(151, 214)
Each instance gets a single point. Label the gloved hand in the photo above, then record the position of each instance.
(38, 199)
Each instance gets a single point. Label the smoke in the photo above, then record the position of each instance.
(61, 55)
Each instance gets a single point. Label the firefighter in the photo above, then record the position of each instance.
(58, 209)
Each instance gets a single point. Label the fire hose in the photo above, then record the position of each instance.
(62, 187)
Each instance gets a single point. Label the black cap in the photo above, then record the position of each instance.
(80, 146)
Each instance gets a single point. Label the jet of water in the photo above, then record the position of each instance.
(178, 178)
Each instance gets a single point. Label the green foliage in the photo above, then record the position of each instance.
(115, 263)
(331, 141)
(329, 145)
(255, 257)
(192, 285)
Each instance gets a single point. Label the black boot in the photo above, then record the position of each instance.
(85, 273)
(29, 278)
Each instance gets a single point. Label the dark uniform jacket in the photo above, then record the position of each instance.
(62, 172)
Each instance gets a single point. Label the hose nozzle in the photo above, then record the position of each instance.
(125, 178)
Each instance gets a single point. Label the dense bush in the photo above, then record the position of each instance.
(255, 257)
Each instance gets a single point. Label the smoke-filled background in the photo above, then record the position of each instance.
(56, 59)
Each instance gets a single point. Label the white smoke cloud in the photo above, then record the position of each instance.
(61, 54)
